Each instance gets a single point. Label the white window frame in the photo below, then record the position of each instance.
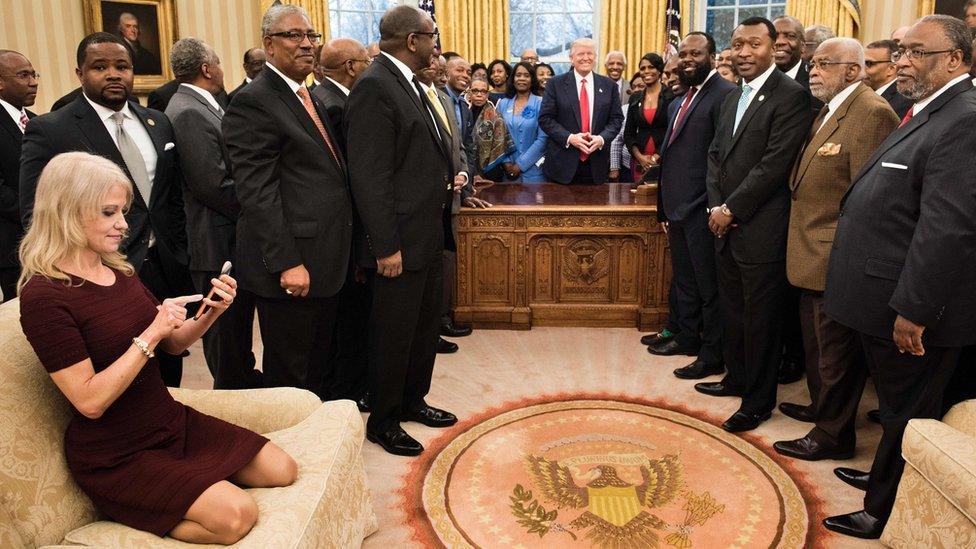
(704, 8)
(372, 35)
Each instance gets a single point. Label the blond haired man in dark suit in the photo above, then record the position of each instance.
(851, 125)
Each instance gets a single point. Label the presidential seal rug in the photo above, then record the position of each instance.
(615, 473)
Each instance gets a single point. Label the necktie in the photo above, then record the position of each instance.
(310, 108)
(908, 116)
(584, 99)
(818, 122)
(741, 107)
(23, 120)
(134, 161)
(681, 112)
(439, 109)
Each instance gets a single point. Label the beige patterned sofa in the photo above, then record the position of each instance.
(936, 502)
(329, 506)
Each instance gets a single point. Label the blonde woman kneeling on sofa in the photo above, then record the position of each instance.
(144, 459)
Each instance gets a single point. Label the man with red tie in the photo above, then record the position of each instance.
(581, 115)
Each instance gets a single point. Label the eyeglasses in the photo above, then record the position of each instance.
(298, 37)
(479, 92)
(821, 64)
(366, 61)
(23, 75)
(433, 35)
(870, 64)
(915, 54)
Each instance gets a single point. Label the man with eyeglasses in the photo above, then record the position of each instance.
(901, 270)
(341, 63)
(18, 89)
(530, 56)
(813, 36)
(254, 60)
(880, 73)
(294, 232)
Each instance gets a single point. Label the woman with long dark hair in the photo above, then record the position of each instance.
(498, 73)
(647, 116)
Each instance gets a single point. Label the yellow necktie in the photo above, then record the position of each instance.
(436, 103)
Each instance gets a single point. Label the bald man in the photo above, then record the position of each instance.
(143, 60)
(341, 61)
(898, 34)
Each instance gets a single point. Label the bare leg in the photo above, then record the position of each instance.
(270, 468)
(222, 514)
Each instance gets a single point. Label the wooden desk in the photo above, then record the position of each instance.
(555, 255)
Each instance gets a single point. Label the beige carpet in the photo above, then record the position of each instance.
(497, 368)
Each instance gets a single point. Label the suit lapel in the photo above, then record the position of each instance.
(96, 135)
(202, 100)
(159, 143)
(570, 84)
(695, 101)
(757, 103)
(829, 128)
(418, 101)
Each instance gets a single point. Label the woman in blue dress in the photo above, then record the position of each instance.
(520, 109)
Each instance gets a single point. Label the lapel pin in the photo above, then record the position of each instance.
(761, 97)
(150, 121)
(599, 90)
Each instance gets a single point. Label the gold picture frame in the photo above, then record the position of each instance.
(154, 33)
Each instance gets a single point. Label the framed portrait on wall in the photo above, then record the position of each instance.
(147, 29)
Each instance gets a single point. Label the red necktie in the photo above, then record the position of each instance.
(681, 112)
(584, 99)
(908, 116)
(307, 102)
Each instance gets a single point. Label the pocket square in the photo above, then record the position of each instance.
(829, 149)
(169, 146)
(893, 165)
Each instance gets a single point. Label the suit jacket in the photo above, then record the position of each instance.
(898, 102)
(682, 192)
(334, 102)
(458, 153)
(749, 171)
(159, 98)
(11, 229)
(77, 127)
(527, 136)
(624, 96)
(821, 176)
(401, 166)
(637, 131)
(559, 117)
(295, 204)
(209, 198)
(466, 124)
(232, 93)
(906, 234)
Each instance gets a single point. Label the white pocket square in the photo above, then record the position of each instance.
(169, 146)
(893, 165)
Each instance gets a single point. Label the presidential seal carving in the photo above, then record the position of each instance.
(586, 261)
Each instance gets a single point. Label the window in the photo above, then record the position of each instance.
(549, 26)
(721, 16)
(359, 19)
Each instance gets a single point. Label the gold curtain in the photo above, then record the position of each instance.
(926, 7)
(839, 15)
(634, 27)
(476, 29)
(318, 10)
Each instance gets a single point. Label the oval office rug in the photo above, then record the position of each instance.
(605, 472)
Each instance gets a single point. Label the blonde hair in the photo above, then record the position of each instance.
(69, 193)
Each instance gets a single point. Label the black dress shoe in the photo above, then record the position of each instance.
(790, 371)
(363, 402)
(455, 330)
(431, 417)
(875, 416)
(797, 412)
(396, 441)
(445, 347)
(808, 449)
(858, 524)
(656, 338)
(857, 479)
(699, 370)
(672, 348)
(716, 389)
(742, 421)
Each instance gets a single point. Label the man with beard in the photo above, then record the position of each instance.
(852, 125)
(902, 272)
(682, 197)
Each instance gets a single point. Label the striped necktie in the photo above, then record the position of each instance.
(310, 108)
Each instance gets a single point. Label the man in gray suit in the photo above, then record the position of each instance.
(211, 206)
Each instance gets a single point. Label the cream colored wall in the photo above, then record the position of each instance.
(880, 17)
(48, 32)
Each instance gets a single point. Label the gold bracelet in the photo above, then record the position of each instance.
(143, 346)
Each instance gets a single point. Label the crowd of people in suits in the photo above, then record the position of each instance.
(812, 190)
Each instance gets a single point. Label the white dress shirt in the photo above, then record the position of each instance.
(293, 85)
(342, 88)
(917, 108)
(407, 72)
(134, 128)
(758, 82)
(795, 70)
(883, 89)
(14, 113)
(206, 95)
(835, 103)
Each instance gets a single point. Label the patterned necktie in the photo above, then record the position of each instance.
(23, 120)
(681, 112)
(439, 109)
(584, 99)
(741, 107)
(310, 108)
(134, 161)
(908, 116)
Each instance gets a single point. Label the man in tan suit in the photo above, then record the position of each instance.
(854, 121)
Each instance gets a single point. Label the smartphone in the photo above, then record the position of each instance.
(212, 295)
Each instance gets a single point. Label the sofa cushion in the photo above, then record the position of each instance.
(328, 506)
(946, 458)
(962, 417)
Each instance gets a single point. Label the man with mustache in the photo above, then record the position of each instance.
(901, 271)
(880, 72)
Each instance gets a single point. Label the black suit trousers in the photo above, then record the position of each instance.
(297, 333)
(348, 373)
(403, 331)
(908, 387)
(154, 279)
(751, 297)
(227, 344)
(695, 287)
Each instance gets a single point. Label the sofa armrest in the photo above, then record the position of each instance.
(260, 410)
(962, 417)
(946, 458)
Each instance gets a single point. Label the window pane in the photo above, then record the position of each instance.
(521, 5)
(759, 11)
(520, 33)
(580, 25)
(551, 35)
(753, 3)
(721, 3)
(721, 23)
(776, 11)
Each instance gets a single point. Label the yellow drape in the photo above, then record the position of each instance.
(318, 10)
(476, 29)
(636, 27)
(926, 7)
(839, 15)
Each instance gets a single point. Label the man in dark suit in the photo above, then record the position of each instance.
(160, 97)
(342, 61)
(101, 121)
(758, 135)
(682, 200)
(211, 207)
(458, 80)
(254, 60)
(902, 272)
(580, 132)
(18, 89)
(402, 176)
(295, 228)
(143, 60)
(881, 72)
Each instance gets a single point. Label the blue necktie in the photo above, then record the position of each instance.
(741, 108)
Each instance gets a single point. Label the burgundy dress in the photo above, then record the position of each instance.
(148, 457)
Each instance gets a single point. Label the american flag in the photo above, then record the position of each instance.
(428, 6)
(672, 22)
